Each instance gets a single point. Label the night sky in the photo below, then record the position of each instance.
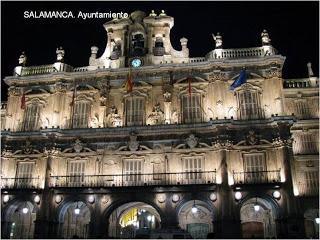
(293, 28)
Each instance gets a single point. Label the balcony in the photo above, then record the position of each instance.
(20, 183)
(134, 180)
(257, 177)
(308, 190)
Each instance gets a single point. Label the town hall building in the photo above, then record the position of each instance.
(147, 141)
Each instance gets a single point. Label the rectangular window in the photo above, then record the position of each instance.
(255, 168)
(81, 114)
(76, 172)
(192, 167)
(302, 110)
(31, 117)
(24, 175)
(191, 108)
(249, 105)
(134, 111)
(132, 171)
(312, 179)
(309, 144)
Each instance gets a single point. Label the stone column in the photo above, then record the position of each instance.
(293, 220)
(227, 224)
(167, 107)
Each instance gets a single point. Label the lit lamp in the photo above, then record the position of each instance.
(238, 195)
(194, 208)
(149, 218)
(36, 199)
(317, 220)
(276, 194)
(77, 210)
(256, 206)
(25, 210)
(6, 198)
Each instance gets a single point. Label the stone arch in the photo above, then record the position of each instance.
(123, 207)
(311, 227)
(198, 223)
(261, 222)
(73, 224)
(17, 222)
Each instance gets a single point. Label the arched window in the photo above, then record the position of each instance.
(248, 103)
(81, 113)
(134, 111)
(32, 117)
(191, 108)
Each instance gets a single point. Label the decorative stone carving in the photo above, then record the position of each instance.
(133, 144)
(273, 72)
(161, 198)
(113, 118)
(13, 91)
(27, 148)
(167, 96)
(157, 116)
(218, 75)
(252, 138)
(192, 141)
(78, 146)
(174, 116)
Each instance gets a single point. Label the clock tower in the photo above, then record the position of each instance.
(139, 40)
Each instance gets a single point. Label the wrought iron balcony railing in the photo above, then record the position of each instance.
(257, 177)
(20, 183)
(127, 180)
(308, 190)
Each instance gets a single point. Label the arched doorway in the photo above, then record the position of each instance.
(196, 217)
(74, 220)
(257, 219)
(133, 220)
(310, 224)
(20, 220)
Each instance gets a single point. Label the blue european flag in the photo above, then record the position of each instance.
(240, 80)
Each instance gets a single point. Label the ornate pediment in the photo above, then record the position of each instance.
(78, 147)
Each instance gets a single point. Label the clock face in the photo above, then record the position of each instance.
(136, 62)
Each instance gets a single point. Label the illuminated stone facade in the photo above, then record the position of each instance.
(85, 154)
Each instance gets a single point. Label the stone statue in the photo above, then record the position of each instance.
(22, 59)
(60, 54)
(265, 38)
(218, 40)
(310, 72)
(162, 14)
(113, 118)
(152, 14)
(157, 116)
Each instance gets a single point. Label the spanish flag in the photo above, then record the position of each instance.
(129, 83)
